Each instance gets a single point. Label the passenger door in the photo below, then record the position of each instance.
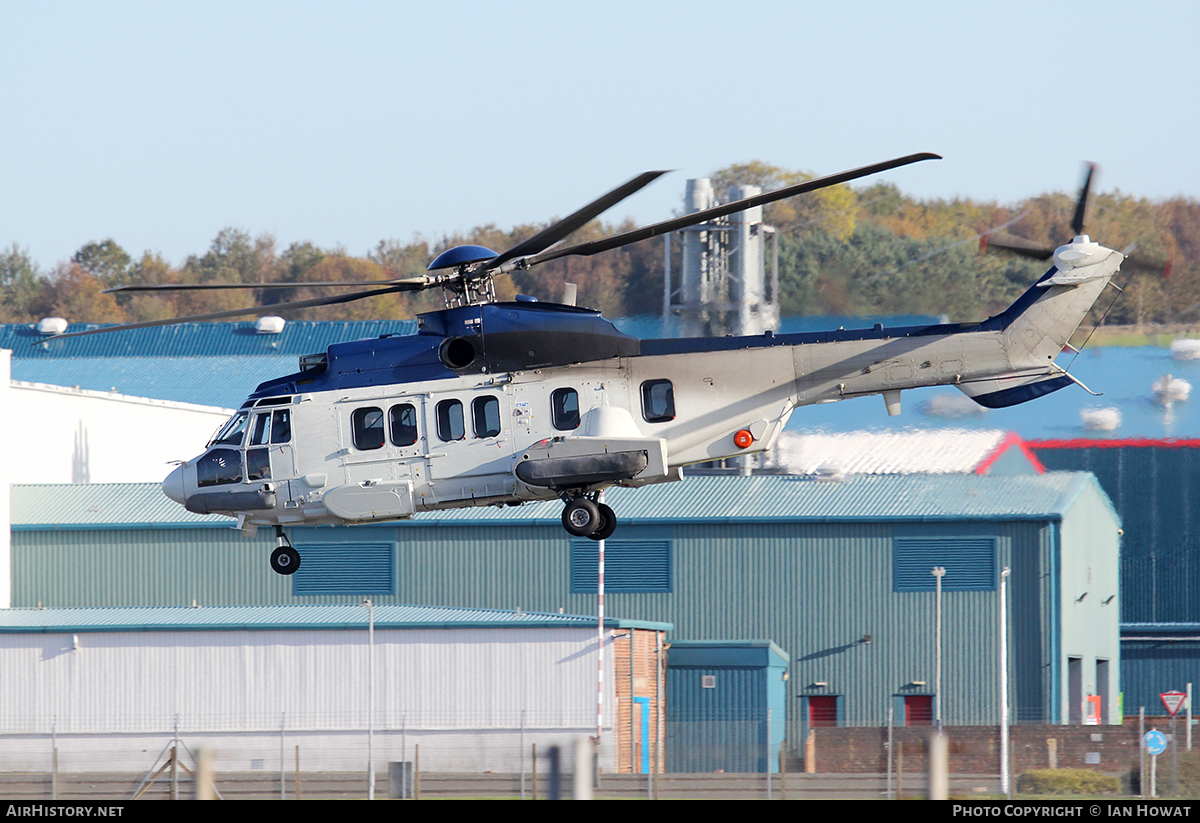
(471, 444)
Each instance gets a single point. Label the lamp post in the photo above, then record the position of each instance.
(370, 698)
(938, 573)
(1005, 785)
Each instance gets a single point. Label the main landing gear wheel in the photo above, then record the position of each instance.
(285, 560)
(581, 517)
(608, 523)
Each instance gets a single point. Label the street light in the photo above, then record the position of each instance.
(1005, 785)
(938, 573)
(370, 698)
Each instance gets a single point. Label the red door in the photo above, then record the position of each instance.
(918, 710)
(822, 711)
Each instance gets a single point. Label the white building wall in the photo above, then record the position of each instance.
(474, 699)
(65, 435)
(6, 425)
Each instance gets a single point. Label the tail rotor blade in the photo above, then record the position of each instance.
(1077, 222)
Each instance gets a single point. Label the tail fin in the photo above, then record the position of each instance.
(1036, 327)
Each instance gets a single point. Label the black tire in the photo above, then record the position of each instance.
(285, 560)
(608, 523)
(581, 517)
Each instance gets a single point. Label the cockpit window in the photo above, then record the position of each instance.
(367, 425)
(258, 464)
(260, 432)
(219, 467)
(450, 424)
(564, 409)
(233, 432)
(658, 401)
(485, 414)
(281, 426)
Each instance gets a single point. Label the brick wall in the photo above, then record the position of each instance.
(976, 749)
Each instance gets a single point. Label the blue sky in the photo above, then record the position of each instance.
(158, 124)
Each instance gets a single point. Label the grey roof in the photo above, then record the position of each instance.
(319, 617)
(766, 498)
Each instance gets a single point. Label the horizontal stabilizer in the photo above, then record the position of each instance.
(1000, 392)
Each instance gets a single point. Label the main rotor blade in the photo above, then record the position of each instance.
(1081, 204)
(552, 234)
(412, 283)
(1019, 246)
(218, 315)
(618, 240)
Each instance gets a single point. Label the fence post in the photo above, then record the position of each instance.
(939, 767)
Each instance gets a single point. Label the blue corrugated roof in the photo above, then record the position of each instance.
(223, 382)
(319, 617)
(211, 364)
(197, 339)
(697, 499)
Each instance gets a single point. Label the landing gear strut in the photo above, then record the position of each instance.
(584, 517)
(285, 559)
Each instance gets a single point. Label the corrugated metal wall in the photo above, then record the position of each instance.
(1150, 667)
(459, 690)
(815, 589)
(1156, 491)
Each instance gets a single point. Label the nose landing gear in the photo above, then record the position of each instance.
(285, 559)
(584, 517)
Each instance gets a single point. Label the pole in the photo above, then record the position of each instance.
(599, 636)
(1142, 748)
(890, 746)
(938, 573)
(370, 698)
(1174, 760)
(1189, 717)
(282, 757)
(1005, 767)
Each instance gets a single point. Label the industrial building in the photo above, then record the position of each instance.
(836, 574)
(264, 686)
(1155, 486)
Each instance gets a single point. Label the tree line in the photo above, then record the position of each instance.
(843, 250)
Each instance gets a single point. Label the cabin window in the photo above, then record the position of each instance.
(450, 424)
(233, 433)
(281, 426)
(658, 401)
(219, 467)
(367, 425)
(403, 420)
(564, 409)
(258, 464)
(485, 414)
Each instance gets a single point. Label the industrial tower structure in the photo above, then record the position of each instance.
(722, 287)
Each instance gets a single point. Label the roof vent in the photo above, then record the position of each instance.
(269, 325)
(51, 325)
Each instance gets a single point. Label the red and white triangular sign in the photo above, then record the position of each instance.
(1173, 701)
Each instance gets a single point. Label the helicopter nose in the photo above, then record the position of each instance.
(173, 486)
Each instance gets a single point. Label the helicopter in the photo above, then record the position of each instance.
(499, 403)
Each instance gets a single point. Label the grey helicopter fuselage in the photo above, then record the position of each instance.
(505, 403)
